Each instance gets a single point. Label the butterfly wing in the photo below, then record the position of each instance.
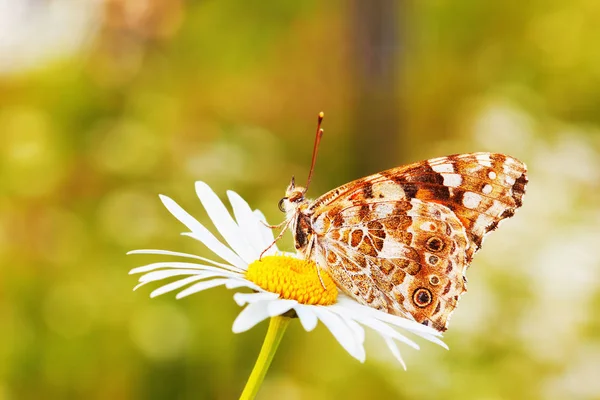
(401, 240)
(404, 257)
(481, 189)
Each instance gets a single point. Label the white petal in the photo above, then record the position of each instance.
(357, 330)
(200, 233)
(407, 324)
(219, 249)
(433, 339)
(247, 222)
(400, 322)
(200, 286)
(175, 285)
(177, 264)
(380, 327)
(266, 233)
(307, 317)
(139, 285)
(395, 351)
(222, 220)
(156, 276)
(243, 298)
(169, 273)
(368, 316)
(250, 316)
(183, 216)
(281, 306)
(187, 255)
(341, 332)
(235, 283)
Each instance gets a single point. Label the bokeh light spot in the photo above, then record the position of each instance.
(126, 148)
(69, 310)
(129, 217)
(160, 331)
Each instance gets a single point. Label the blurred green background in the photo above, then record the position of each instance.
(106, 103)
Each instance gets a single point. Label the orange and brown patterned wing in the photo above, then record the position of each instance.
(403, 257)
(481, 189)
(401, 240)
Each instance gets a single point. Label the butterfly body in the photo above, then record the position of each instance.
(401, 240)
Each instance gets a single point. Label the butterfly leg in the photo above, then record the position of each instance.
(310, 247)
(287, 224)
(273, 226)
(320, 278)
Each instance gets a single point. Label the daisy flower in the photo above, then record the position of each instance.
(282, 286)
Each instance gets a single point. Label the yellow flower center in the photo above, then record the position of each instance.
(293, 279)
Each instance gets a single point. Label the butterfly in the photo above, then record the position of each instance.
(401, 240)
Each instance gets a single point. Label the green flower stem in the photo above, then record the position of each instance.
(277, 326)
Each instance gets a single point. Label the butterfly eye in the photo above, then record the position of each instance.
(281, 205)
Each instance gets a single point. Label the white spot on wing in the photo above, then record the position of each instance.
(510, 180)
(383, 210)
(389, 189)
(487, 189)
(426, 226)
(481, 222)
(393, 249)
(496, 209)
(443, 168)
(484, 159)
(319, 224)
(471, 200)
(492, 175)
(452, 180)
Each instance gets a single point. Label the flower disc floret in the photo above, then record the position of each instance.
(293, 279)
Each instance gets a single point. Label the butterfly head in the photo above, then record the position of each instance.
(294, 198)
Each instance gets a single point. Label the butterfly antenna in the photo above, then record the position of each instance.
(318, 137)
